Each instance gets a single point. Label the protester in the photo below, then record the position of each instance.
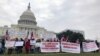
(16, 48)
(27, 46)
(97, 43)
(33, 47)
(38, 46)
(20, 47)
(3, 45)
(10, 50)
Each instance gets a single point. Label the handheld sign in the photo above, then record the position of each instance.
(32, 42)
(9, 44)
(50, 47)
(19, 43)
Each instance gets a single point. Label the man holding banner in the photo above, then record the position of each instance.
(32, 42)
(8, 44)
(19, 45)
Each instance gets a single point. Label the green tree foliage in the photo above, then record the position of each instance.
(72, 36)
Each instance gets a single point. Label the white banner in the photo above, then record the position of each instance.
(19, 43)
(32, 42)
(50, 47)
(9, 44)
(90, 46)
(70, 47)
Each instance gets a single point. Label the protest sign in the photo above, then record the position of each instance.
(19, 43)
(32, 42)
(50, 47)
(9, 44)
(70, 47)
(90, 46)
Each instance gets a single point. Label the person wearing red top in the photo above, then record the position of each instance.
(27, 46)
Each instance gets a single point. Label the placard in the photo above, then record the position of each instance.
(90, 46)
(19, 43)
(70, 47)
(9, 44)
(32, 42)
(50, 47)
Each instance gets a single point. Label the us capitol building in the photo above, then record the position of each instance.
(27, 22)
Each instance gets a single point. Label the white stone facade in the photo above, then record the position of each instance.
(27, 22)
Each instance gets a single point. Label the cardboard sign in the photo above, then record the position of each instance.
(9, 44)
(70, 47)
(32, 42)
(19, 43)
(50, 47)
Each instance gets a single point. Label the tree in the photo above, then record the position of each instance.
(72, 36)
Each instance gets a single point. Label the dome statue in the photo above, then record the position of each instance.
(27, 17)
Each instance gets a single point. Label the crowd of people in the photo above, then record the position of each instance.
(27, 47)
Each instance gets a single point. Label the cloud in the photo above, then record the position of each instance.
(56, 15)
(79, 14)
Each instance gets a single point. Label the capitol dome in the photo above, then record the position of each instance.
(27, 17)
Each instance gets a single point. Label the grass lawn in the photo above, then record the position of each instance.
(54, 54)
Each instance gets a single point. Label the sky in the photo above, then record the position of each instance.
(56, 15)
